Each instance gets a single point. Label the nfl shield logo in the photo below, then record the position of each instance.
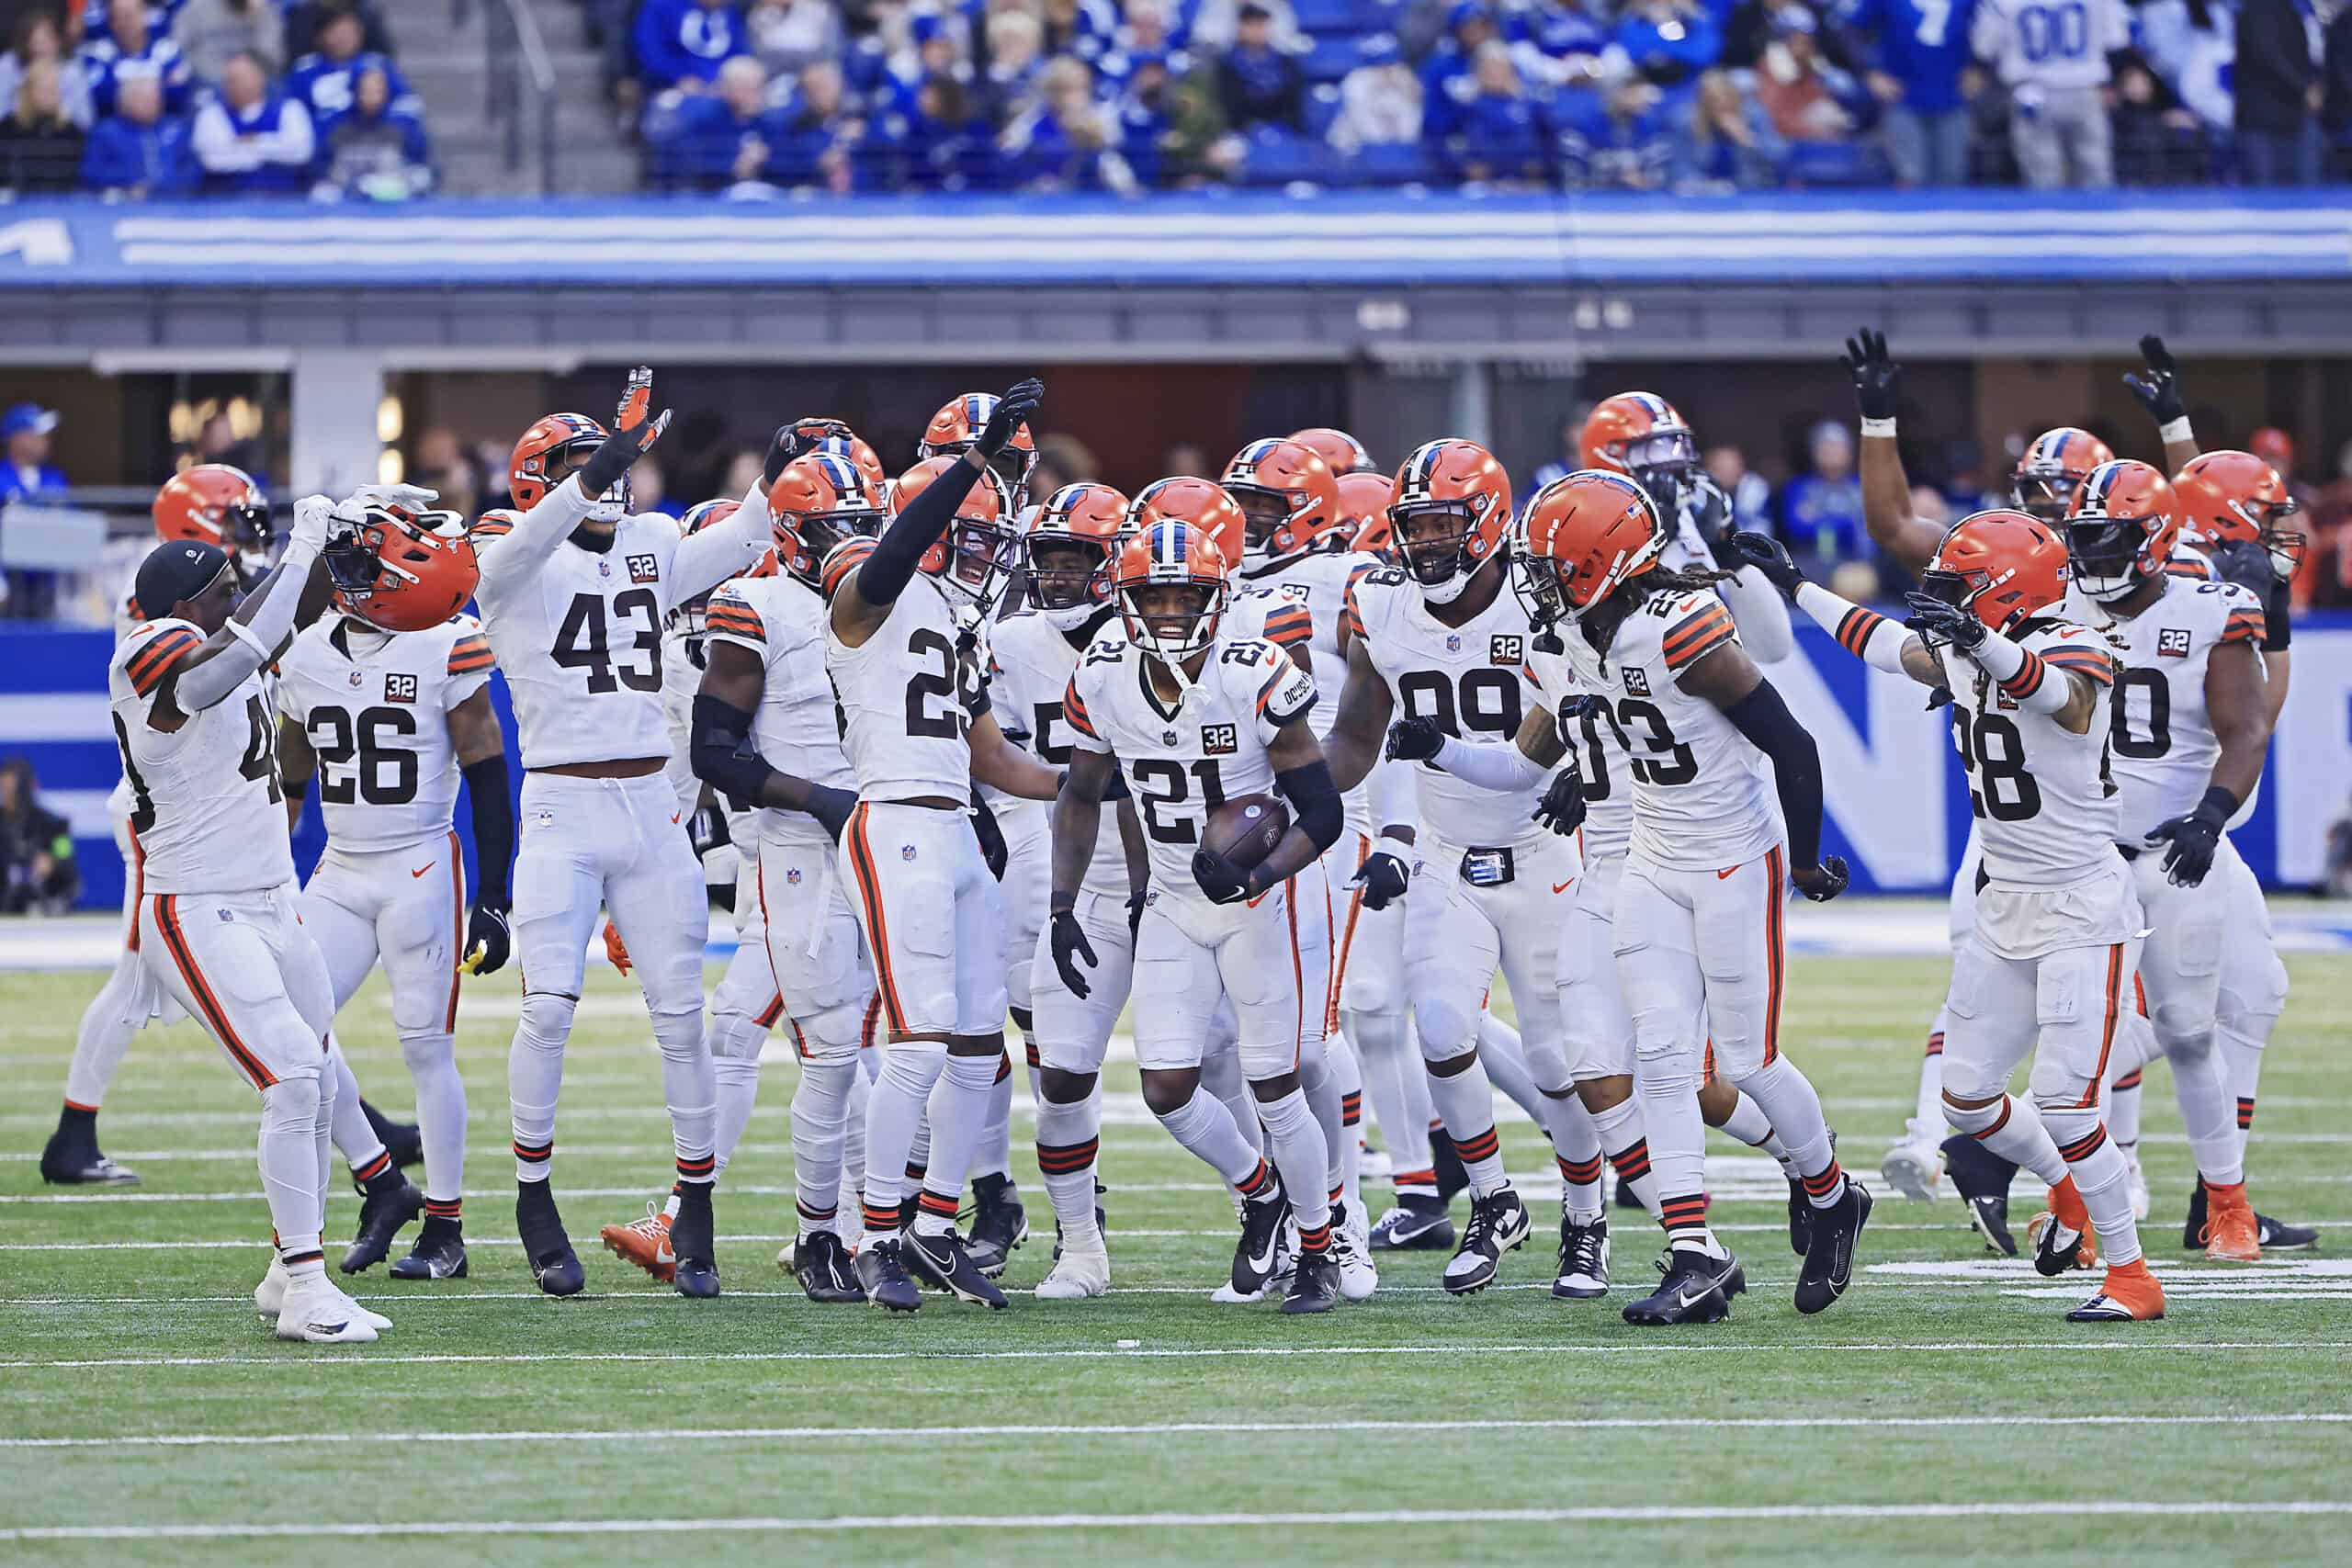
(1453, 643)
(604, 569)
(1168, 738)
(906, 851)
(357, 678)
(792, 875)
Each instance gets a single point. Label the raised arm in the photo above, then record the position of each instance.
(1887, 489)
(709, 557)
(254, 634)
(2158, 388)
(520, 551)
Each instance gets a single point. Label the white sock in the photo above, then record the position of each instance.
(820, 1129)
(1347, 1073)
(287, 1154)
(690, 1089)
(1787, 1097)
(1466, 1102)
(1927, 1124)
(1068, 1143)
(1504, 1056)
(2100, 1176)
(354, 1137)
(2012, 1129)
(104, 1034)
(910, 1068)
(1619, 1130)
(1205, 1126)
(440, 1112)
(2240, 1041)
(534, 1078)
(1320, 1082)
(1221, 1075)
(1295, 1142)
(736, 1040)
(1396, 1085)
(994, 1157)
(959, 1109)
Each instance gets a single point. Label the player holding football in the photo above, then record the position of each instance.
(575, 591)
(1192, 720)
(917, 733)
(2048, 964)
(386, 702)
(1697, 922)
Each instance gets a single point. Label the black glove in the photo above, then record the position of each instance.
(1136, 902)
(1770, 557)
(991, 837)
(796, 438)
(488, 940)
(705, 829)
(1013, 411)
(1665, 489)
(1562, 808)
(1414, 738)
(1931, 617)
(609, 463)
(1709, 510)
(2194, 837)
(831, 807)
(1224, 882)
(2159, 389)
(1878, 380)
(1071, 945)
(2246, 563)
(1824, 882)
(1384, 877)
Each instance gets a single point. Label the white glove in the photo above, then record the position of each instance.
(311, 516)
(406, 498)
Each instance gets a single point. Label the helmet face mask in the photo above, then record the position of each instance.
(1262, 512)
(1066, 578)
(550, 452)
(2043, 497)
(403, 572)
(1543, 589)
(1669, 450)
(983, 557)
(2104, 550)
(1432, 539)
(1172, 620)
(2120, 530)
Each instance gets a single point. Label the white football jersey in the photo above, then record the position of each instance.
(796, 726)
(1317, 583)
(375, 707)
(578, 632)
(684, 660)
(126, 619)
(1473, 679)
(1182, 762)
(1034, 662)
(2165, 747)
(2045, 808)
(207, 806)
(1701, 793)
(1593, 739)
(907, 697)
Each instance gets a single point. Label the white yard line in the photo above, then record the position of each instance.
(1170, 1428)
(1253, 1521)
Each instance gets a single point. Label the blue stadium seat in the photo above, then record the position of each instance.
(1278, 158)
(1836, 163)
(1329, 59)
(1322, 108)
(1392, 165)
(1320, 18)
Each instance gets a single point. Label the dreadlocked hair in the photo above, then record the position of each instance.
(1601, 622)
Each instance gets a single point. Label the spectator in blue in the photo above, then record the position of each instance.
(140, 150)
(1143, 112)
(1617, 136)
(376, 153)
(251, 140)
(132, 51)
(931, 126)
(682, 43)
(327, 79)
(1821, 512)
(1065, 141)
(1498, 135)
(1726, 139)
(1446, 83)
(1915, 63)
(1081, 29)
(26, 430)
(813, 142)
(706, 140)
(1668, 43)
(1258, 83)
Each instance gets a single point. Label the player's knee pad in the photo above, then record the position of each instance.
(2184, 1034)
(1974, 1118)
(545, 1021)
(1447, 1027)
(2053, 1085)
(736, 1037)
(832, 1036)
(1547, 1063)
(2260, 994)
(912, 1066)
(1376, 1036)
(426, 1053)
(297, 1102)
(680, 1035)
(1967, 1079)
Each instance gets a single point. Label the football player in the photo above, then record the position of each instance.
(1697, 923)
(917, 734)
(386, 702)
(2049, 958)
(1071, 544)
(766, 700)
(575, 591)
(1190, 720)
(958, 426)
(218, 925)
(1439, 638)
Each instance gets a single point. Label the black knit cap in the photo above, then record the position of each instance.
(173, 571)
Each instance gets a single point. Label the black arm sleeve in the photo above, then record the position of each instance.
(885, 573)
(719, 748)
(1316, 798)
(493, 811)
(1765, 719)
(2277, 606)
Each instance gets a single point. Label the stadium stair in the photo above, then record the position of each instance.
(445, 62)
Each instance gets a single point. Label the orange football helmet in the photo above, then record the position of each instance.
(2049, 468)
(1201, 505)
(849, 445)
(1289, 500)
(959, 424)
(2274, 446)
(1460, 484)
(216, 505)
(406, 571)
(1072, 540)
(1169, 553)
(1637, 433)
(818, 501)
(2122, 528)
(1344, 453)
(982, 551)
(2000, 566)
(2229, 497)
(1582, 535)
(1365, 497)
(547, 454)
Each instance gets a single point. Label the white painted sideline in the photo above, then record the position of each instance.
(1167, 1429)
(850, 1523)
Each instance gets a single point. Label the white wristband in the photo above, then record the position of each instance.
(2175, 429)
(1879, 427)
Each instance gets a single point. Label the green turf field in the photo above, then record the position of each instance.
(1942, 1408)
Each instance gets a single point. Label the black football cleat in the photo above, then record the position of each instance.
(1982, 1178)
(693, 1242)
(553, 1263)
(1626, 1198)
(2192, 1230)
(1696, 1289)
(1313, 1284)
(998, 1223)
(1584, 1260)
(439, 1253)
(1260, 1248)
(1989, 1218)
(1800, 1219)
(2277, 1235)
(83, 1166)
(1828, 1266)
(1498, 1223)
(1452, 1176)
(386, 1205)
(1418, 1223)
(825, 1270)
(942, 1262)
(883, 1274)
(404, 1141)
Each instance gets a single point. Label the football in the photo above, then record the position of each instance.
(1246, 828)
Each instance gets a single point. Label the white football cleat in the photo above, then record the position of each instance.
(1358, 1276)
(1915, 1167)
(269, 1296)
(375, 1320)
(318, 1313)
(1080, 1273)
(2135, 1181)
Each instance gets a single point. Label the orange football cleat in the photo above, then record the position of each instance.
(614, 948)
(2129, 1293)
(2231, 1234)
(645, 1242)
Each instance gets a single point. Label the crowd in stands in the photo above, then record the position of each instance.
(135, 98)
(1121, 95)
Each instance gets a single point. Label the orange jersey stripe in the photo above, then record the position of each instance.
(1289, 628)
(159, 658)
(167, 921)
(2082, 661)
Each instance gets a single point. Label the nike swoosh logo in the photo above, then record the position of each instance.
(1265, 1259)
(420, 871)
(1692, 1298)
(1719, 875)
(1262, 897)
(1564, 886)
(673, 817)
